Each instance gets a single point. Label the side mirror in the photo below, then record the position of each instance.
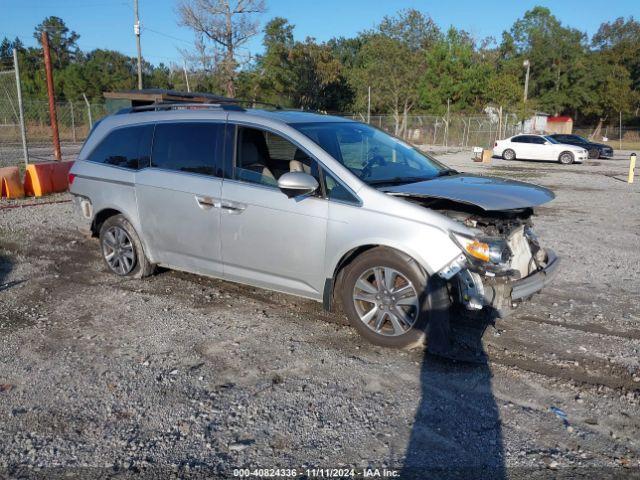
(293, 184)
(547, 142)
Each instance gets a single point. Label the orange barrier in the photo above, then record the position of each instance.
(10, 184)
(43, 178)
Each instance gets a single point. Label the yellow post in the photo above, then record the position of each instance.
(632, 167)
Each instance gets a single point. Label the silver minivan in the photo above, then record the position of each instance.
(312, 205)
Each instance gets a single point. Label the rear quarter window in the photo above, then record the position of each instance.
(191, 147)
(125, 147)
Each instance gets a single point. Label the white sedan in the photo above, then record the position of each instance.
(538, 147)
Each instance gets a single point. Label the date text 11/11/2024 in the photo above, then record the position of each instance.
(316, 473)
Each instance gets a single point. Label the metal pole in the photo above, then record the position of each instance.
(52, 103)
(620, 134)
(23, 130)
(369, 105)
(526, 83)
(73, 123)
(88, 110)
(186, 77)
(136, 31)
(446, 127)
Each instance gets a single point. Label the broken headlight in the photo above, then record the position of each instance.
(487, 250)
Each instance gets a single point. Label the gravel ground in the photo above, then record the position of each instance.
(183, 375)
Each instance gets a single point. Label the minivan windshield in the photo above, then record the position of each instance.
(375, 157)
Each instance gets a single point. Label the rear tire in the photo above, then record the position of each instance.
(122, 249)
(566, 158)
(509, 154)
(389, 298)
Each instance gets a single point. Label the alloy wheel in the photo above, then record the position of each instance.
(118, 250)
(386, 301)
(566, 158)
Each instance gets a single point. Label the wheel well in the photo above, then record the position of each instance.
(566, 151)
(347, 258)
(100, 218)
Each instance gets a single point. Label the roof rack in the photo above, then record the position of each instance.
(181, 106)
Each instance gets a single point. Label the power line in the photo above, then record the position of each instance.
(147, 29)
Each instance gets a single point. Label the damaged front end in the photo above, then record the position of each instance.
(502, 262)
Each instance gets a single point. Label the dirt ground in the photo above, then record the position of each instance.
(184, 375)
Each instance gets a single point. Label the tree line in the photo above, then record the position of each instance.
(410, 64)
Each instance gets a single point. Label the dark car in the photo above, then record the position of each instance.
(596, 150)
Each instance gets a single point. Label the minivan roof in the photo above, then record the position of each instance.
(295, 116)
(178, 111)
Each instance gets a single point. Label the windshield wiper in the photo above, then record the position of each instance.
(398, 180)
(446, 172)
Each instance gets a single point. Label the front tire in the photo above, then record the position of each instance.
(509, 154)
(122, 249)
(566, 158)
(389, 299)
(594, 153)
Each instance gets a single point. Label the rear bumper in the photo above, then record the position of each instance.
(535, 282)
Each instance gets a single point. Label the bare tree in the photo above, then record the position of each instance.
(228, 24)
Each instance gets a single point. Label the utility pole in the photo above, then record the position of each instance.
(23, 130)
(52, 102)
(136, 31)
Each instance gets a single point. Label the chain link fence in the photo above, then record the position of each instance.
(74, 123)
(625, 138)
(455, 132)
(428, 131)
(10, 134)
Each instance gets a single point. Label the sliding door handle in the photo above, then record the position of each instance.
(206, 202)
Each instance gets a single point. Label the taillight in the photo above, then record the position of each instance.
(71, 178)
(495, 144)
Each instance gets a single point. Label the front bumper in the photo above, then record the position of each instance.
(535, 282)
(501, 294)
(606, 153)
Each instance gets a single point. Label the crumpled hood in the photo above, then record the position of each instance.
(488, 193)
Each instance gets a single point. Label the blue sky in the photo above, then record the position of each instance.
(108, 23)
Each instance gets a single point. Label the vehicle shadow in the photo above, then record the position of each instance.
(6, 265)
(457, 431)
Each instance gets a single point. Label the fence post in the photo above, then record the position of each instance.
(23, 130)
(620, 133)
(446, 127)
(73, 123)
(88, 110)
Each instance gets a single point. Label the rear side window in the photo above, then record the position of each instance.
(127, 147)
(520, 139)
(191, 147)
(537, 140)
